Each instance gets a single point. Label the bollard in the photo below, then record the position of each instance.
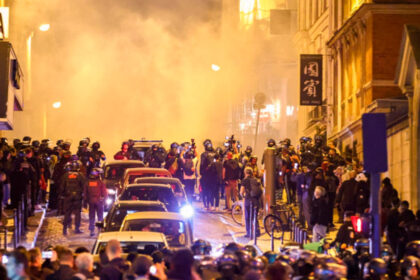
(305, 236)
(297, 232)
(293, 222)
(269, 179)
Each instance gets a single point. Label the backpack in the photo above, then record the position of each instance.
(188, 167)
(256, 189)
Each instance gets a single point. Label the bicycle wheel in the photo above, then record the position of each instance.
(237, 212)
(272, 223)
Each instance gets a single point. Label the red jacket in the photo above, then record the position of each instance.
(95, 191)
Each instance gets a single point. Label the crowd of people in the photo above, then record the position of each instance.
(231, 261)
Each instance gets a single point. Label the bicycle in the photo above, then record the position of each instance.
(280, 221)
(238, 213)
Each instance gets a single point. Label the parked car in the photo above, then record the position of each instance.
(175, 184)
(132, 241)
(131, 174)
(176, 229)
(113, 174)
(120, 209)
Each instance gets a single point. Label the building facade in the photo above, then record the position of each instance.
(360, 41)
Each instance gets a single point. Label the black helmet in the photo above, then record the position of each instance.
(206, 142)
(248, 149)
(233, 247)
(283, 258)
(386, 252)
(96, 145)
(209, 147)
(259, 263)
(413, 248)
(409, 263)
(251, 250)
(68, 166)
(174, 145)
(35, 143)
(271, 256)
(96, 172)
(361, 245)
(244, 259)
(59, 142)
(66, 145)
(376, 267)
(83, 142)
(201, 247)
(75, 165)
(271, 143)
(228, 262)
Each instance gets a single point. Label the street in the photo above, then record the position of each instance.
(216, 227)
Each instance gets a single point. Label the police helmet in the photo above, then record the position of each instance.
(174, 145)
(66, 145)
(244, 259)
(83, 142)
(206, 142)
(59, 142)
(409, 263)
(35, 143)
(201, 247)
(248, 149)
(283, 258)
(229, 262)
(376, 267)
(251, 250)
(96, 145)
(259, 263)
(75, 165)
(271, 256)
(271, 143)
(96, 172)
(68, 166)
(386, 252)
(233, 247)
(361, 245)
(209, 147)
(413, 248)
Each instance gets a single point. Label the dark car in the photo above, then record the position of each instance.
(113, 174)
(160, 192)
(175, 184)
(120, 209)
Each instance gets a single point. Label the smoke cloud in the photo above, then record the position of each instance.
(131, 69)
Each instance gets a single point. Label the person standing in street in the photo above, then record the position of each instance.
(319, 219)
(72, 191)
(96, 195)
(251, 190)
(231, 175)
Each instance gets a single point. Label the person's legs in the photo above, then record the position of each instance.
(228, 197)
(92, 210)
(247, 215)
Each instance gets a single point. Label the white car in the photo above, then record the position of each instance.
(132, 241)
(176, 229)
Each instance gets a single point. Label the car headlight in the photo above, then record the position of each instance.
(187, 211)
(112, 191)
(108, 201)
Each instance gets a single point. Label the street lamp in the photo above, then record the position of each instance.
(56, 105)
(44, 27)
(215, 67)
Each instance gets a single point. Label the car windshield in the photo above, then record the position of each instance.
(140, 247)
(173, 230)
(117, 214)
(116, 171)
(164, 195)
(175, 187)
(132, 177)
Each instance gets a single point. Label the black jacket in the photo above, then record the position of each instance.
(114, 270)
(318, 212)
(64, 272)
(347, 195)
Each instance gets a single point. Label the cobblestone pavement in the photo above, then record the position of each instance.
(217, 227)
(51, 233)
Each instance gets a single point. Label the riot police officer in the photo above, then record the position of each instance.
(72, 191)
(95, 194)
(97, 155)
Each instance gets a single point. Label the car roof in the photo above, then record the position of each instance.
(146, 236)
(147, 170)
(159, 179)
(123, 162)
(150, 215)
(139, 202)
(148, 185)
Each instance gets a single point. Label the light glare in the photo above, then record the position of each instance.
(56, 105)
(44, 27)
(215, 67)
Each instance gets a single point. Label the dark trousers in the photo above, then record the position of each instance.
(189, 188)
(215, 196)
(250, 211)
(52, 199)
(72, 205)
(331, 203)
(34, 195)
(206, 195)
(95, 209)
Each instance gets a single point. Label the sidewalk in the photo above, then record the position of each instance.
(28, 240)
